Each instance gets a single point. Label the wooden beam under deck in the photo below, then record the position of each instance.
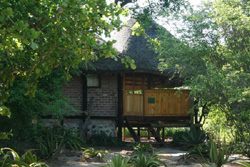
(131, 130)
(155, 134)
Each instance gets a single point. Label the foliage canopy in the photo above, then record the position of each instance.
(37, 36)
(213, 55)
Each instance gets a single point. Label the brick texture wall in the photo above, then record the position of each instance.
(104, 98)
(104, 103)
(74, 91)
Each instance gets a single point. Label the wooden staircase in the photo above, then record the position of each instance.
(155, 132)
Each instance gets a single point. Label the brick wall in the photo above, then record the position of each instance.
(104, 98)
(104, 103)
(74, 91)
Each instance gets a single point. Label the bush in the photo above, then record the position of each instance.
(54, 140)
(118, 161)
(142, 160)
(11, 158)
(199, 150)
(216, 153)
(26, 110)
(216, 124)
(90, 153)
(191, 138)
(241, 148)
(174, 132)
(143, 149)
(103, 139)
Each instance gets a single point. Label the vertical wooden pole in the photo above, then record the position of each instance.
(148, 133)
(191, 105)
(158, 131)
(134, 83)
(138, 131)
(85, 105)
(163, 134)
(124, 134)
(84, 93)
(196, 110)
(123, 103)
(143, 94)
(120, 108)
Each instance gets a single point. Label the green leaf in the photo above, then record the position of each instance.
(37, 71)
(133, 66)
(34, 45)
(34, 34)
(8, 11)
(4, 111)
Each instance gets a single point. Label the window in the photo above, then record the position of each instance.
(93, 81)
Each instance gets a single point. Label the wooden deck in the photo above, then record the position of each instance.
(149, 104)
(157, 103)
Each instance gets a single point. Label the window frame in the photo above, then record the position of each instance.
(99, 80)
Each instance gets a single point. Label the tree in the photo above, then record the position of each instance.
(213, 56)
(148, 10)
(37, 36)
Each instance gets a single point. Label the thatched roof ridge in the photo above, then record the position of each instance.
(136, 47)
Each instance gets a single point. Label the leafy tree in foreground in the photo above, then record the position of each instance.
(26, 111)
(37, 36)
(213, 55)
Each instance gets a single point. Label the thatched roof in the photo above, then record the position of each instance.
(136, 47)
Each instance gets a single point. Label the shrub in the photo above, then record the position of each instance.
(26, 110)
(118, 161)
(54, 140)
(174, 132)
(103, 139)
(91, 153)
(143, 148)
(142, 160)
(191, 138)
(199, 150)
(218, 153)
(241, 148)
(11, 158)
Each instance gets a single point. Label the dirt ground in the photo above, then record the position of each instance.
(172, 157)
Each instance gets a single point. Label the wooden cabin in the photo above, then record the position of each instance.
(149, 103)
(117, 97)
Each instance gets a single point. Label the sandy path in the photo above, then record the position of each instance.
(168, 155)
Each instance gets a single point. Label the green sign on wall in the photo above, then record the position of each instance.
(151, 100)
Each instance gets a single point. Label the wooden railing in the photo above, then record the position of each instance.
(157, 103)
(133, 104)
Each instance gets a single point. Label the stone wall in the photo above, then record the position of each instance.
(98, 126)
